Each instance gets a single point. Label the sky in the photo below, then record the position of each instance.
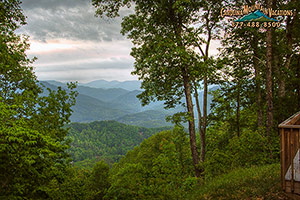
(71, 44)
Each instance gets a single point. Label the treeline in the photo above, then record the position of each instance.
(104, 140)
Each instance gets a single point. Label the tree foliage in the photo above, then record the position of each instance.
(160, 168)
(104, 140)
(165, 35)
(32, 136)
(245, 82)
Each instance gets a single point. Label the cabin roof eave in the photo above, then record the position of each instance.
(291, 120)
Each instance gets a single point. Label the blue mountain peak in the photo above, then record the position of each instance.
(257, 15)
(260, 14)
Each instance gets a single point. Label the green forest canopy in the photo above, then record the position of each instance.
(104, 140)
(242, 127)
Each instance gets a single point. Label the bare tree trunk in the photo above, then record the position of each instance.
(298, 88)
(281, 87)
(204, 112)
(286, 65)
(205, 86)
(257, 69)
(290, 24)
(192, 131)
(238, 111)
(277, 71)
(202, 136)
(269, 82)
(188, 96)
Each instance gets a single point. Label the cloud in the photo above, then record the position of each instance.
(53, 4)
(68, 19)
(87, 65)
(87, 75)
(74, 51)
(68, 60)
(72, 44)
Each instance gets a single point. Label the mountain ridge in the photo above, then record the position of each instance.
(98, 104)
(127, 85)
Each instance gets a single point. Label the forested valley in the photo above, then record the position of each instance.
(104, 140)
(221, 143)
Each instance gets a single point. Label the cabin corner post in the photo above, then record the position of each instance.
(282, 153)
(292, 160)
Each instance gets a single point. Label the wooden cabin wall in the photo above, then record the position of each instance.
(289, 146)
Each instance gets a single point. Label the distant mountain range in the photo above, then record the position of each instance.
(100, 100)
(127, 85)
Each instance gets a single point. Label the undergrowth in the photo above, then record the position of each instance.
(246, 183)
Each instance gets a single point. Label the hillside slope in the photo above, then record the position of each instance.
(149, 119)
(260, 182)
(105, 140)
(89, 109)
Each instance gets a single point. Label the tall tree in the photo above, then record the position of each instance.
(165, 39)
(269, 81)
(209, 25)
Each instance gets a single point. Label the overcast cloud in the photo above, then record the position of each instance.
(72, 44)
(68, 19)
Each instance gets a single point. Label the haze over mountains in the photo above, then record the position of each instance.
(113, 100)
(127, 85)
